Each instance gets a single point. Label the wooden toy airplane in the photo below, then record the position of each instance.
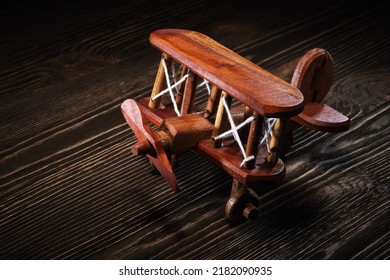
(248, 140)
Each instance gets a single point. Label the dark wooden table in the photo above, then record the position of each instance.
(70, 188)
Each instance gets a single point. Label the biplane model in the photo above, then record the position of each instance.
(246, 125)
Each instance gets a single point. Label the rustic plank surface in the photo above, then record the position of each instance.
(70, 188)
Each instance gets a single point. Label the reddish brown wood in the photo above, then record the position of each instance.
(141, 147)
(189, 94)
(133, 116)
(70, 190)
(244, 80)
(253, 138)
(220, 123)
(237, 112)
(260, 92)
(166, 141)
(159, 82)
(212, 101)
(187, 131)
(250, 212)
(276, 140)
(313, 75)
(180, 87)
(322, 117)
(156, 116)
(242, 204)
(286, 70)
(229, 159)
(245, 113)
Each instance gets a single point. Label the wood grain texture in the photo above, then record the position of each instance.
(228, 158)
(313, 75)
(187, 131)
(237, 76)
(70, 188)
(322, 117)
(132, 113)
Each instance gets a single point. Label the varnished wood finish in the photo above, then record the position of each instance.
(314, 75)
(229, 158)
(187, 131)
(320, 116)
(212, 101)
(253, 138)
(157, 156)
(157, 115)
(221, 120)
(180, 87)
(141, 147)
(242, 204)
(263, 92)
(71, 189)
(275, 147)
(189, 94)
(160, 82)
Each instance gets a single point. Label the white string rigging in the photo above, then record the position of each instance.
(175, 84)
(207, 85)
(267, 132)
(170, 87)
(234, 131)
(268, 122)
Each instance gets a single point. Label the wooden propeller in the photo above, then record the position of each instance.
(149, 141)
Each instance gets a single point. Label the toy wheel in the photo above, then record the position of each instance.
(241, 206)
